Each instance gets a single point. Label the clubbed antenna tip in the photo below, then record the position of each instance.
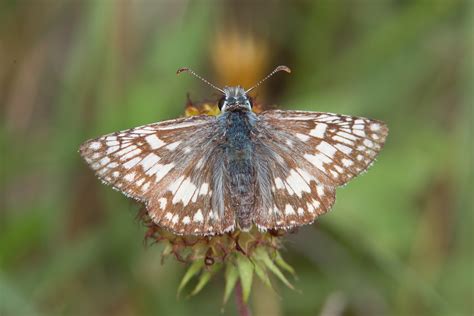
(277, 69)
(180, 70)
(282, 68)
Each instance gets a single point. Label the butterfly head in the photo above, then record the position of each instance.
(235, 98)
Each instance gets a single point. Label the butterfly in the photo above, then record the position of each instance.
(208, 175)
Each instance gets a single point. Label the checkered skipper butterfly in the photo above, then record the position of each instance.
(207, 175)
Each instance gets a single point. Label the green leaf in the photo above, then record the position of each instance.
(231, 277)
(193, 270)
(283, 264)
(262, 255)
(245, 267)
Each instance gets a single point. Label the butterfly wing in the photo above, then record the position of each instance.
(303, 156)
(174, 167)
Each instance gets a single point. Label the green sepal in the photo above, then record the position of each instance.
(167, 250)
(245, 268)
(192, 271)
(203, 280)
(262, 274)
(231, 277)
(283, 264)
(262, 255)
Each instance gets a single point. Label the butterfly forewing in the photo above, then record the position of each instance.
(303, 156)
(158, 164)
(340, 146)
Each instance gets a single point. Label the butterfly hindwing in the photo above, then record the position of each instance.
(289, 194)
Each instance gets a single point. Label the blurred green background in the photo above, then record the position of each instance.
(399, 240)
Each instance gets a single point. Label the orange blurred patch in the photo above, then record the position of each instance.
(239, 58)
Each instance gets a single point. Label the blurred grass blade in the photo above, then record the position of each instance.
(12, 301)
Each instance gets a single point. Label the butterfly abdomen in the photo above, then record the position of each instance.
(240, 167)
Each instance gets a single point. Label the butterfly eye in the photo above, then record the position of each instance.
(250, 101)
(221, 103)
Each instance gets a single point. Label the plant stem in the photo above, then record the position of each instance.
(242, 307)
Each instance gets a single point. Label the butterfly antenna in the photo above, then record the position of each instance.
(185, 69)
(277, 69)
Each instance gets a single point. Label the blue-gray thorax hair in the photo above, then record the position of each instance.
(235, 98)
